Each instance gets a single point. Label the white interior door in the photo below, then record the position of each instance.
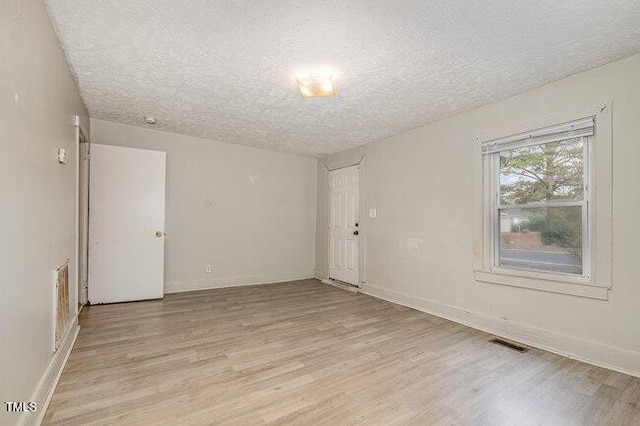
(343, 224)
(126, 224)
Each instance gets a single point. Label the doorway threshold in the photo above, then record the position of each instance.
(342, 285)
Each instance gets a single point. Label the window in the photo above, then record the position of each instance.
(541, 202)
(538, 210)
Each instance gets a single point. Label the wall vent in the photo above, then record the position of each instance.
(510, 345)
(61, 304)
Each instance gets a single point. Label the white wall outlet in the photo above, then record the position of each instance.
(373, 213)
(207, 269)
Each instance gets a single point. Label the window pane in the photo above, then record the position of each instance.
(542, 239)
(542, 173)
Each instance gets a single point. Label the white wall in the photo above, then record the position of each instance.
(419, 248)
(248, 212)
(38, 99)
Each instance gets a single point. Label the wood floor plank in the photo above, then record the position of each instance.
(307, 353)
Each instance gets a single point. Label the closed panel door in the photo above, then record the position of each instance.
(343, 224)
(126, 224)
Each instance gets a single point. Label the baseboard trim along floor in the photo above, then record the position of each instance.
(596, 353)
(47, 386)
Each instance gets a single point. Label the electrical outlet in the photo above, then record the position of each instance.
(207, 269)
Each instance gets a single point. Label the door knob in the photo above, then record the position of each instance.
(159, 234)
(355, 232)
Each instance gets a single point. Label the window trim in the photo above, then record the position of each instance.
(596, 280)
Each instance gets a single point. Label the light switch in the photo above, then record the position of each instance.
(373, 213)
(62, 156)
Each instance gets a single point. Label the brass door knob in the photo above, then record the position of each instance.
(159, 234)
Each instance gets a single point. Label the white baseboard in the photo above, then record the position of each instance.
(180, 287)
(592, 352)
(46, 387)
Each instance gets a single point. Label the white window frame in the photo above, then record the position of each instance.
(595, 281)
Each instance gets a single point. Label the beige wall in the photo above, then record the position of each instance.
(38, 99)
(419, 248)
(248, 212)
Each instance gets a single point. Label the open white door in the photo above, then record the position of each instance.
(343, 224)
(126, 225)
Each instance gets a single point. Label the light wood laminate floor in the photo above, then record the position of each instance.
(308, 353)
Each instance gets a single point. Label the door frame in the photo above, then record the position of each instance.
(362, 225)
(82, 289)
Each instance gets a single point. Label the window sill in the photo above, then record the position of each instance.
(543, 282)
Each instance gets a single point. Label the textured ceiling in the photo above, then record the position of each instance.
(223, 69)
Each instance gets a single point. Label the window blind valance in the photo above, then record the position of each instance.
(574, 129)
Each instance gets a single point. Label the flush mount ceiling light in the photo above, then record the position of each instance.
(316, 85)
(149, 120)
